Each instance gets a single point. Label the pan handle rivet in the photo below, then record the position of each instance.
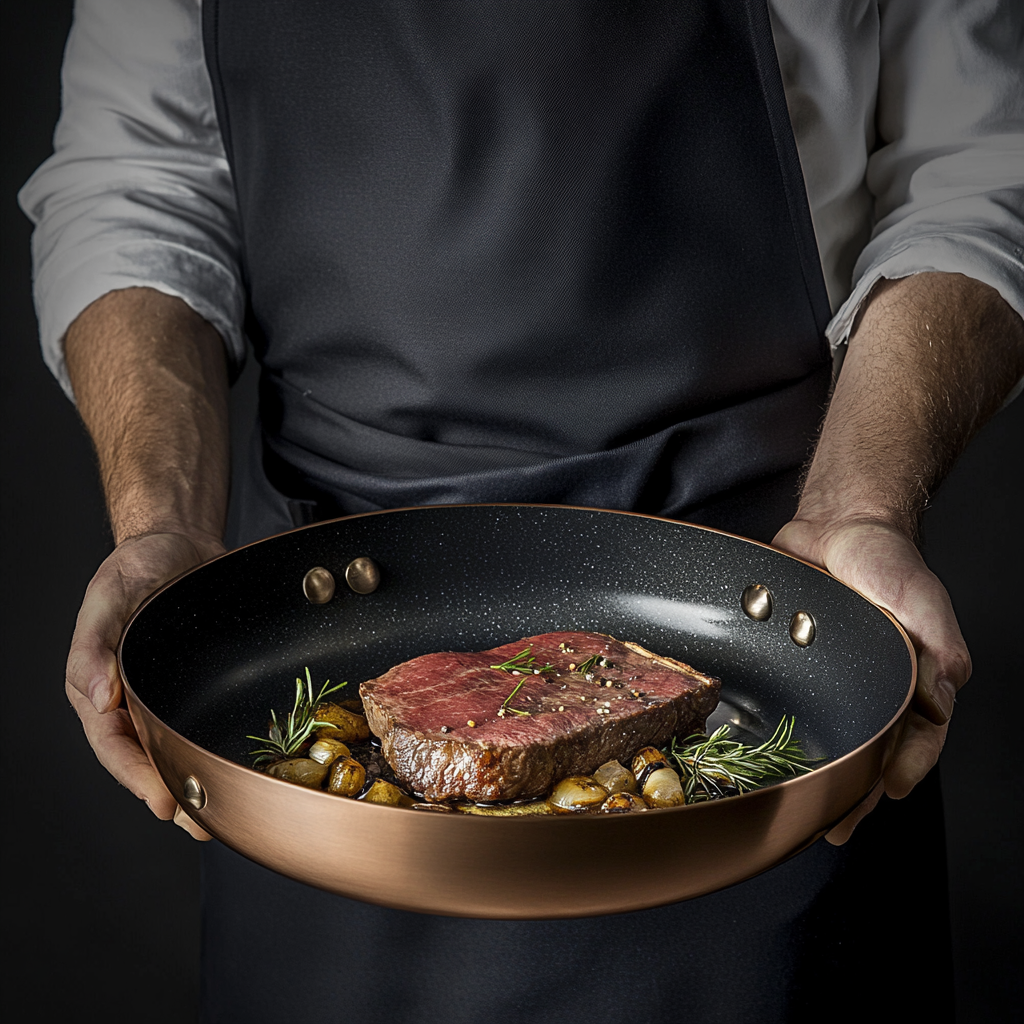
(362, 575)
(318, 585)
(801, 629)
(757, 602)
(195, 795)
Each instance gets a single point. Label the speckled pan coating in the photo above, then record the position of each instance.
(224, 643)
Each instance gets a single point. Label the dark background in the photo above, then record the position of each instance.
(102, 899)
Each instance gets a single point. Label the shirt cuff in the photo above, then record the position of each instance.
(209, 288)
(978, 253)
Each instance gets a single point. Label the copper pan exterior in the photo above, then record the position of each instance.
(529, 867)
(542, 867)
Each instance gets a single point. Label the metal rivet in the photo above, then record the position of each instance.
(801, 629)
(757, 602)
(362, 575)
(195, 795)
(318, 585)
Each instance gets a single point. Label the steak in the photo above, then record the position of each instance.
(454, 726)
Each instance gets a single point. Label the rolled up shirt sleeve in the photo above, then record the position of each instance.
(947, 170)
(138, 191)
(908, 116)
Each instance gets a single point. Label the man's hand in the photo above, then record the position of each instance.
(93, 684)
(150, 380)
(932, 357)
(886, 567)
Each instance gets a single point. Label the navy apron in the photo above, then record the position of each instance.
(536, 251)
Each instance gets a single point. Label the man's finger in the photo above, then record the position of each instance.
(943, 666)
(92, 665)
(943, 662)
(130, 574)
(842, 832)
(182, 820)
(888, 569)
(92, 671)
(113, 738)
(916, 755)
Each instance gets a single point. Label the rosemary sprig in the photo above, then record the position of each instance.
(711, 764)
(522, 664)
(286, 738)
(587, 666)
(505, 703)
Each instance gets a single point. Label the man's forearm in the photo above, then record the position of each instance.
(150, 380)
(932, 357)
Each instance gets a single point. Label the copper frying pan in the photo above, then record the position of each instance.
(208, 655)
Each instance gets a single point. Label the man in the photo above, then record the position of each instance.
(489, 209)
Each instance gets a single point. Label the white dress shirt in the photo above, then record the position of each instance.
(908, 117)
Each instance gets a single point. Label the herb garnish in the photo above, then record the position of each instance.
(587, 666)
(521, 664)
(505, 703)
(711, 764)
(285, 739)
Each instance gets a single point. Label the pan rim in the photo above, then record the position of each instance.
(540, 820)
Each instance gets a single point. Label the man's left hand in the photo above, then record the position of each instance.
(880, 562)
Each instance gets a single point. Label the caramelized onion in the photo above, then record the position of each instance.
(615, 778)
(347, 777)
(326, 750)
(506, 810)
(645, 761)
(623, 803)
(577, 793)
(662, 788)
(344, 725)
(301, 770)
(382, 792)
(647, 757)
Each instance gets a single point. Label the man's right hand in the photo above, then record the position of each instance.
(135, 568)
(150, 379)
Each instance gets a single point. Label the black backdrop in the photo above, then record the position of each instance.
(102, 899)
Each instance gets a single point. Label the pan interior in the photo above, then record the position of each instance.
(213, 652)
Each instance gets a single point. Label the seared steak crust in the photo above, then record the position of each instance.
(448, 730)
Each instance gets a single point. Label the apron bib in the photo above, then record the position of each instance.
(553, 252)
(532, 251)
